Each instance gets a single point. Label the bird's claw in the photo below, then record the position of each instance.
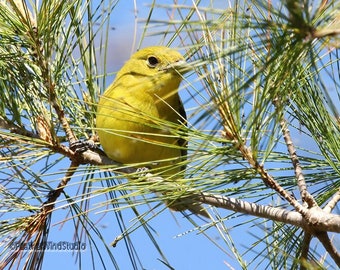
(81, 146)
(142, 171)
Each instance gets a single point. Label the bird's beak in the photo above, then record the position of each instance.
(180, 66)
(183, 66)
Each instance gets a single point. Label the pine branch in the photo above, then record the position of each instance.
(313, 219)
(329, 246)
(333, 202)
(305, 195)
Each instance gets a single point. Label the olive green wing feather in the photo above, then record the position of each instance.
(181, 141)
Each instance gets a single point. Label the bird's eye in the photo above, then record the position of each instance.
(152, 61)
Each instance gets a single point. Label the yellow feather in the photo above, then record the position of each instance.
(137, 111)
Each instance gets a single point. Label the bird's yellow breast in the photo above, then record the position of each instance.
(132, 127)
(136, 113)
(139, 114)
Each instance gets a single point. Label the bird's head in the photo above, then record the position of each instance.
(159, 64)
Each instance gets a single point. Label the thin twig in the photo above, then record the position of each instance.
(305, 195)
(5, 124)
(270, 181)
(71, 137)
(36, 225)
(54, 195)
(50, 86)
(230, 132)
(332, 203)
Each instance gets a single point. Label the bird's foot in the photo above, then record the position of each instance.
(81, 146)
(142, 172)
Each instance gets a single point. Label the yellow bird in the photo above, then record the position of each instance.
(139, 113)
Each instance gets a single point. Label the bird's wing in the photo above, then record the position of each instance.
(181, 141)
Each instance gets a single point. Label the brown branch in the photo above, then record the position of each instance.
(266, 178)
(326, 32)
(328, 245)
(71, 137)
(229, 133)
(305, 249)
(322, 221)
(305, 195)
(54, 195)
(25, 15)
(332, 203)
(13, 128)
(49, 84)
(311, 220)
(270, 181)
(36, 225)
